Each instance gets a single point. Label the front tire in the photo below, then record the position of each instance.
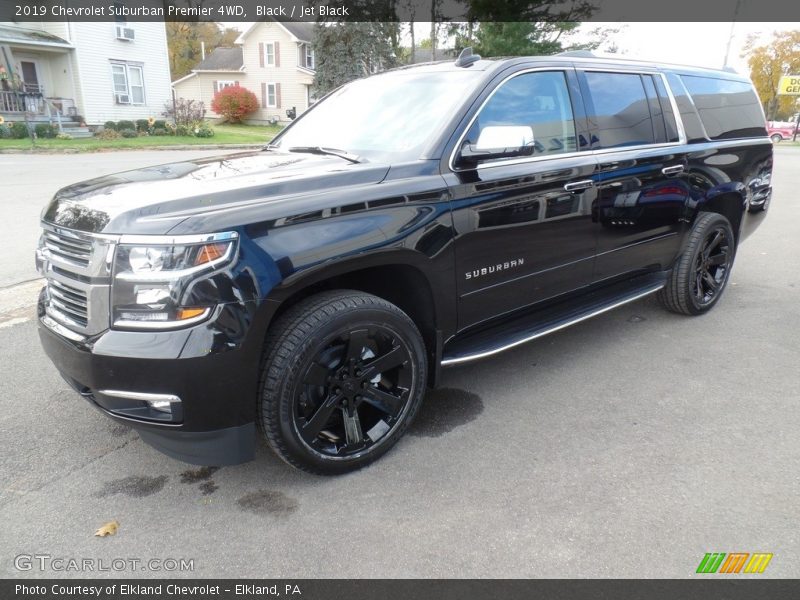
(343, 377)
(701, 274)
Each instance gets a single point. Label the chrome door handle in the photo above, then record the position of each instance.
(673, 170)
(578, 186)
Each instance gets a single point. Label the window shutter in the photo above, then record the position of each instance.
(261, 54)
(263, 95)
(301, 56)
(277, 95)
(216, 87)
(277, 54)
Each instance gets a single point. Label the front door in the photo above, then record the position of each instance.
(30, 76)
(521, 237)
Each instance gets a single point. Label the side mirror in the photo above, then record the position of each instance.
(498, 141)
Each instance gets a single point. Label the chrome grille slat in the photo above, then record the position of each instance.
(72, 296)
(75, 244)
(78, 316)
(77, 269)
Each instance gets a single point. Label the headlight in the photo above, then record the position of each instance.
(151, 279)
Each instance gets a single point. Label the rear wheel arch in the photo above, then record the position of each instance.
(731, 205)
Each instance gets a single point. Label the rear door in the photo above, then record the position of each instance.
(521, 237)
(642, 183)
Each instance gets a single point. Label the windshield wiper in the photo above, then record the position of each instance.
(327, 151)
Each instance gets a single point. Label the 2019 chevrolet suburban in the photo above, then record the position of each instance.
(423, 217)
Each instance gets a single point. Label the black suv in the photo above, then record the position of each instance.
(424, 217)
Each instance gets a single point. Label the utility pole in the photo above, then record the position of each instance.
(730, 35)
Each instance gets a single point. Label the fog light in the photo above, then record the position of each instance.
(161, 405)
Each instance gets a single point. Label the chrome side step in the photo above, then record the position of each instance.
(528, 328)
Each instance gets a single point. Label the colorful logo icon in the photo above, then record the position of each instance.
(734, 562)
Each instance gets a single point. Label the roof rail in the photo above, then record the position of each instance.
(577, 53)
(467, 58)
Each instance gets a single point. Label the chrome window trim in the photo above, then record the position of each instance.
(533, 159)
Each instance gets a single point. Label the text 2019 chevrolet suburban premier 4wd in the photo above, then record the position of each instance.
(423, 217)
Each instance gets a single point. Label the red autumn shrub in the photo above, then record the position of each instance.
(234, 103)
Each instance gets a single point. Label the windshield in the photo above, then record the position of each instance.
(387, 117)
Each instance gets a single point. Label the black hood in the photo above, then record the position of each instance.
(154, 200)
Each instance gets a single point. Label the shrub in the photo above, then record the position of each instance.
(142, 125)
(5, 132)
(204, 131)
(45, 130)
(19, 130)
(107, 134)
(110, 125)
(185, 112)
(234, 103)
(128, 133)
(125, 125)
(64, 136)
(159, 124)
(182, 130)
(159, 131)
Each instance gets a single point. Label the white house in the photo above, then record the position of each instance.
(99, 71)
(272, 59)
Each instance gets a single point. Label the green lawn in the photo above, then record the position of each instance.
(223, 134)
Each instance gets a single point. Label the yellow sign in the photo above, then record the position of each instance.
(789, 85)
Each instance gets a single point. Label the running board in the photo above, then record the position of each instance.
(535, 324)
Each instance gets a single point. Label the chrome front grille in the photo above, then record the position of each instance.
(68, 247)
(71, 302)
(77, 267)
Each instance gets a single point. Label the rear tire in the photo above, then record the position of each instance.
(343, 377)
(701, 274)
(776, 137)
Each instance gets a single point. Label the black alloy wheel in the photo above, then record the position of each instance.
(355, 390)
(712, 265)
(701, 272)
(344, 375)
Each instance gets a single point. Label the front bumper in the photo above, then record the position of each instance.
(205, 370)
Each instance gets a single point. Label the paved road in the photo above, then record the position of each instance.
(626, 446)
(29, 181)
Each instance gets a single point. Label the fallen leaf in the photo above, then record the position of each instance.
(109, 528)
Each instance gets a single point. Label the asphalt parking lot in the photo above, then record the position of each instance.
(626, 446)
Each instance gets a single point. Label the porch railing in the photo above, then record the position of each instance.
(22, 102)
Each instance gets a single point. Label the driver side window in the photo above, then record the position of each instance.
(539, 101)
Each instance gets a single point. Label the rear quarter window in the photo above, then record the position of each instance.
(728, 109)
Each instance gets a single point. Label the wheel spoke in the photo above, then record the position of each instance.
(384, 401)
(710, 281)
(699, 294)
(718, 260)
(394, 358)
(352, 428)
(713, 244)
(358, 339)
(317, 375)
(311, 428)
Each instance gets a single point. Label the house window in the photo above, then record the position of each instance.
(128, 83)
(221, 85)
(308, 55)
(272, 95)
(269, 54)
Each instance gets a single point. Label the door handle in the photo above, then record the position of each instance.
(673, 170)
(578, 186)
